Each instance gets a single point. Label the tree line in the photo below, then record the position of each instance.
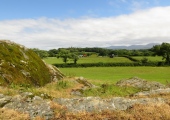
(74, 53)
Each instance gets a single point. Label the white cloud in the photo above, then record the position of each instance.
(142, 27)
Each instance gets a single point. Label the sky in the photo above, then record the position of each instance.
(52, 24)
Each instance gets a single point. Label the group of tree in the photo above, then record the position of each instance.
(74, 53)
(67, 54)
(162, 50)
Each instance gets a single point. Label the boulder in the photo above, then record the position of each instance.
(97, 104)
(140, 83)
(28, 103)
(19, 64)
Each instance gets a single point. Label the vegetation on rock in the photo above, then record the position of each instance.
(20, 65)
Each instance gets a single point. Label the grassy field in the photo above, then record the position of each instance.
(95, 59)
(150, 58)
(92, 59)
(114, 74)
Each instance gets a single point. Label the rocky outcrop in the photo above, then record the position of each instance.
(83, 81)
(55, 72)
(97, 104)
(86, 85)
(153, 92)
(140, 83)
(28, 103)
(19, 64)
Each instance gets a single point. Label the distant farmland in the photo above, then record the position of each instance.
(96, 59)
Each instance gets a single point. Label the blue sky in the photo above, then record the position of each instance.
(84, 23)
(21, 9)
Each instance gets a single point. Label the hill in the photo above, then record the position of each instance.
(20, 65)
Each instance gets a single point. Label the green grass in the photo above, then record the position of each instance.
(114, 74)
(150, 58)
(109, 90)
(93, 59)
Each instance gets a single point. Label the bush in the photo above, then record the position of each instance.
(100, 64)
(130, 58)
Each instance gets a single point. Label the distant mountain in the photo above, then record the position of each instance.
(132, 47)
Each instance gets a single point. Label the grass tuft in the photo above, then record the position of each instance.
(107, 90)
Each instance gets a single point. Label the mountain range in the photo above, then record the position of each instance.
(132, 47)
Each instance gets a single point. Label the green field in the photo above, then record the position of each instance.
(150, 58)
(114, 74)
(92, 59)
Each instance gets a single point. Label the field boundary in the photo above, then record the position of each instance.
(101, 64)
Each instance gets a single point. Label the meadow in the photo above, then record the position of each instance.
(96, 59)
(150, 58)
(91, 59)
(114, 74)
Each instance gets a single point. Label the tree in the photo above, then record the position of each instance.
(156, 49)
(52, 52)
(163, 50)
(41, 53)
(65, 54)
(74, 57)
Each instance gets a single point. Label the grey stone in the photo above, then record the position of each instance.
(140, 83)
(25, 103)
(153, 92)
(83, 81)
(92, 104)
(4, 100)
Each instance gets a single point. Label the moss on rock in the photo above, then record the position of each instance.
(20, 65)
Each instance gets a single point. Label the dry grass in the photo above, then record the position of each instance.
(52, 90)
(7, 114)
(8, 91)
(137, 112)
(151, 112)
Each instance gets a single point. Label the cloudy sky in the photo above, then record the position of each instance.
(48, 24)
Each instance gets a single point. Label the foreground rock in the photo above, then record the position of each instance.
(86, 85)
(96, 104)
(153, 92)
(140, 83)
(28, 103)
